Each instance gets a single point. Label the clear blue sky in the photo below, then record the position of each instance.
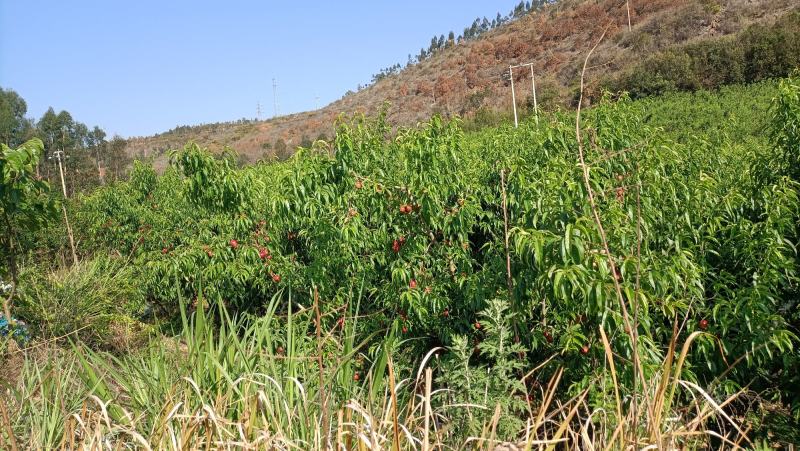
(142, 67)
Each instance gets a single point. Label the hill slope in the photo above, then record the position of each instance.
(468, 78)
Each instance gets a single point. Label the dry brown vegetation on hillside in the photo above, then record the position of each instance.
(467, 78)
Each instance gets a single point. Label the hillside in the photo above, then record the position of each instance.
(467, 79)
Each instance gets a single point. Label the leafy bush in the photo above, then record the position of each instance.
(758, 53)
(493, 380)
(24, 206)
(786, 126)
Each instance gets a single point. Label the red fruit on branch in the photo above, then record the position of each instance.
(209, 253)
(396, 246)
(276, 278)
(340, 322)
(585, 349)
(356, 377)
(412, 284)
(280, 350)
(703, 324)
(405, 329)
(548, 336)
(164, 250)
(359, 185)
(234, 244)
(446, 313)
(263, 253)
(477, 325)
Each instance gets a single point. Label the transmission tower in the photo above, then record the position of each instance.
(275, 96)
(258, 111)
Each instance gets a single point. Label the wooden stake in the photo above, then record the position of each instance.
(426, 433)
(12, 440)
(393, 394)
(322, 397)
(509, 280)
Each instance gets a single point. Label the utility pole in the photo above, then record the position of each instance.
(535, 104)
(59, 155)
(514, 95)
(275, 97)
(628, 7)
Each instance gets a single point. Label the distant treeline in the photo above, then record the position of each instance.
(89, 158)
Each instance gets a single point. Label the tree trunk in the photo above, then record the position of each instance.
(12, 267)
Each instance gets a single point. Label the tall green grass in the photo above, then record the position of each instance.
(256, 383)
(93, 301)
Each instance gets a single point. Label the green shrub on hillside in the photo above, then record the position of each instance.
(758, 53)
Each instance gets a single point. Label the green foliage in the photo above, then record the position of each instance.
(758, 53)
(23, 200)
(483, 376)
(210, 183)
(786, 126)
(143, 179)
(13, 124)
(698, 222)
(94, 301)
(24, 206)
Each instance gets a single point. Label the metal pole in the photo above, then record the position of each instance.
(535, 106)
(513, 96)
(59, 154)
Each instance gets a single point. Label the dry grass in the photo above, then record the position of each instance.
(261, 411)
